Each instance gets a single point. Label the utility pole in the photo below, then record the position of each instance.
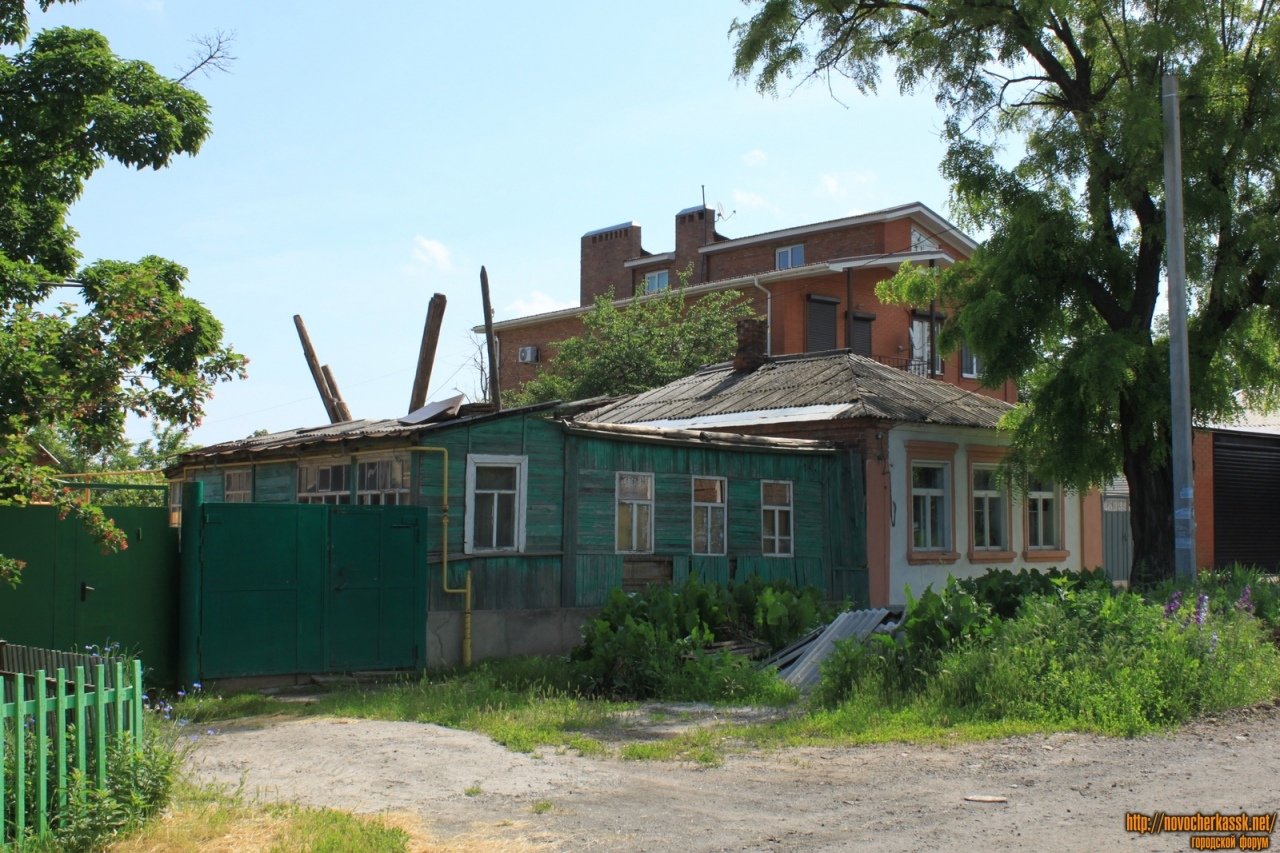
(495, 394)
(1184, 517)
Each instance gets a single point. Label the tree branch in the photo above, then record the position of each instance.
(213, 53)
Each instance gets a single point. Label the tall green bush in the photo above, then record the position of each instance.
(657, 643)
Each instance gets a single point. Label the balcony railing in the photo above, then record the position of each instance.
(918, 366)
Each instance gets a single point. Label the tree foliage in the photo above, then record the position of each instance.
(643, 345)
(1053, 122)
(133, 341)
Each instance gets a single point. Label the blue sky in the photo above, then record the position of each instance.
(361, 162)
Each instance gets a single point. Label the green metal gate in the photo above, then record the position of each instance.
(72, 595)
(293, 588)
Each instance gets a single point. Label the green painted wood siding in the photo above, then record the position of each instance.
(530, 579)
(597, 575)
(212, 484)
(276, 482)
(828, 520)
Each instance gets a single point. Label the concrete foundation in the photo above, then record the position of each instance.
(504, 633)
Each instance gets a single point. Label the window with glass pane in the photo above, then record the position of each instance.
(989, 510)
(237, 486)
(656, 282)
(324, 484)
(635, 513)
(929, 528)
(496, 490)
(1042, 514)
(775, 518)
(708, 515)
(382, 482)
(790, 256)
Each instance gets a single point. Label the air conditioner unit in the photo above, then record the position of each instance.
(528, 355)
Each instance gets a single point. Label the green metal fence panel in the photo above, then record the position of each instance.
(72, 595)
(40, 610)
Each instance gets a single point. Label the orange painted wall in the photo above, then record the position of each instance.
(877, 520)
(1091, 530)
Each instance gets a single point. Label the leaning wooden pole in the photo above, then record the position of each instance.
(494, 393)
(427, 351)
(339, 405)
(326, 396)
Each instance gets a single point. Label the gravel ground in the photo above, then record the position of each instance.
(1063, 791)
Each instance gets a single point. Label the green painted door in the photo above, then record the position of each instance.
(129, 597)
(376, 597)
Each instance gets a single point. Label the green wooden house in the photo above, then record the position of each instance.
(539, 517)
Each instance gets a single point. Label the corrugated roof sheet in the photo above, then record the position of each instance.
(334, 433)
(843, 384)
(802, 667)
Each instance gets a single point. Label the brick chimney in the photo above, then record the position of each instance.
(751, 345)
(695, 227)
(604, 251)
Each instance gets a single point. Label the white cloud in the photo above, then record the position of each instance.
(747, 199)
(536, 302)
(842, 184)
(755, 157)
(432, 254)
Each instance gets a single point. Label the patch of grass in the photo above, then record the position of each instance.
(208, 706)
(522, 703)
(473, 790)
(208, 818)
(705, 746)
(541, 807)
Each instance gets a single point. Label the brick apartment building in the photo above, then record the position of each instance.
(814, 284)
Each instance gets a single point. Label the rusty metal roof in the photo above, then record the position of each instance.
(814, 386)
(346, 431)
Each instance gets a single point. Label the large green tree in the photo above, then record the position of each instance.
(1054, 133)
(643, 345)
(132, 341)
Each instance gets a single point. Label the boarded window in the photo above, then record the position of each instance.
(820, 324)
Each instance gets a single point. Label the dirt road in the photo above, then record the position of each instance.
(1063, 791)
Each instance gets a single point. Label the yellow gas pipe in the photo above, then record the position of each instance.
(465, 589)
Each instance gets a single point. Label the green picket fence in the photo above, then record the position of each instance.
(50, 728)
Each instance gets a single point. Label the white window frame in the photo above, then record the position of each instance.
(244, 493)
(656, 281)
(330, 496)
(709, 508)
(942, 496)
(390, 494)
(785, 256)
(175, 502)
(1048, 503)
(970, 364)
(521, 464)
(922, 242)
(618, 501)
(771, 546)
(995, 502)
